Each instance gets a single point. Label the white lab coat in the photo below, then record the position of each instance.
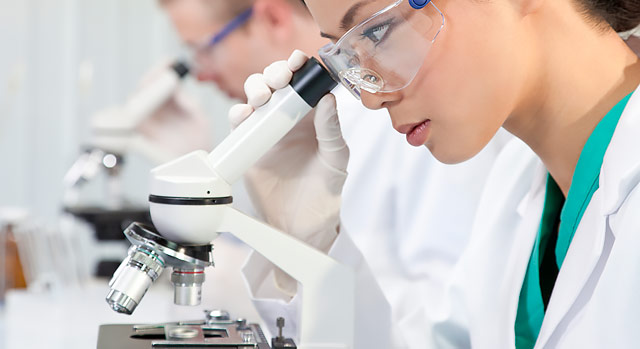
(407, 213)
(595, 301)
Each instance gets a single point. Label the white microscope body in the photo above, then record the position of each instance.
(113, 134)
(190, 203)
(114, 129)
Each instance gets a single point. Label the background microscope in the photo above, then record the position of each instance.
(114, 134)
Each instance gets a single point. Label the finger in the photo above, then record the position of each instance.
(238, 113)
(332, 147)
(277, 75)
(297, 60)
(257, 90)
(326, 122)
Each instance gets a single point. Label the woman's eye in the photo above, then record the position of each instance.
(377, 33)
(370, 78)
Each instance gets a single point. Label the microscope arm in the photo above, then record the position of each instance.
(328, 287)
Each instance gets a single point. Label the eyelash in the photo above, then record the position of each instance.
(369, 33)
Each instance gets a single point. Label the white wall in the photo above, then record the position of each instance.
(61, 61)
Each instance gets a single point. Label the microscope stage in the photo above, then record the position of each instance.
(182, 335)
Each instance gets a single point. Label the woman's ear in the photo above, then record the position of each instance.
(275, 18)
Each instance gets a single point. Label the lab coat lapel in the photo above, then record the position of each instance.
(588, 242)
(493, 266)
(578, 267)
(530, 210)
(619, 175)
(494, 312)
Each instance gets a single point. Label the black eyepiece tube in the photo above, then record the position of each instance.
(181, 68)
(312, 82)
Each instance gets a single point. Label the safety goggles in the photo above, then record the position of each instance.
(384, 53)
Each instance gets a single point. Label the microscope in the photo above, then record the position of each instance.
(113, 131)
(191, 203)
(113, 135)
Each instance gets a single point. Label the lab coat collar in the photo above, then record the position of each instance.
(620, 169)
(617, 176)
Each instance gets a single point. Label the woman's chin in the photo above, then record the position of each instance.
(449, 155)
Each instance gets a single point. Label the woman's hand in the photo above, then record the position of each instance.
(296, 186)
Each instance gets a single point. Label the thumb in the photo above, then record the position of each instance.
(332, 147)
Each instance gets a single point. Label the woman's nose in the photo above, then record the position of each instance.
(377, 100)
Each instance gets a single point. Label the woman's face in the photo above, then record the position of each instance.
(469, 83)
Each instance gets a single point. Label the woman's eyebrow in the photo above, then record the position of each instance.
(328, 36)
(347, 20)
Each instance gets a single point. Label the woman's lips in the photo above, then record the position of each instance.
(418, 135)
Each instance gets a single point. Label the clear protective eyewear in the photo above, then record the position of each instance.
(385, 52)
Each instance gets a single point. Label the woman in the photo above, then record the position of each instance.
(553, 260)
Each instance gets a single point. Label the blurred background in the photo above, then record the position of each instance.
(62, 62)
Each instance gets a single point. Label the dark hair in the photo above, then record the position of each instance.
(622, 15)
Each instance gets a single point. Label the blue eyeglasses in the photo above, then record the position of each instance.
(230, 27)
(234, 24)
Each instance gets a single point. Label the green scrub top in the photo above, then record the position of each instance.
(558, 224)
